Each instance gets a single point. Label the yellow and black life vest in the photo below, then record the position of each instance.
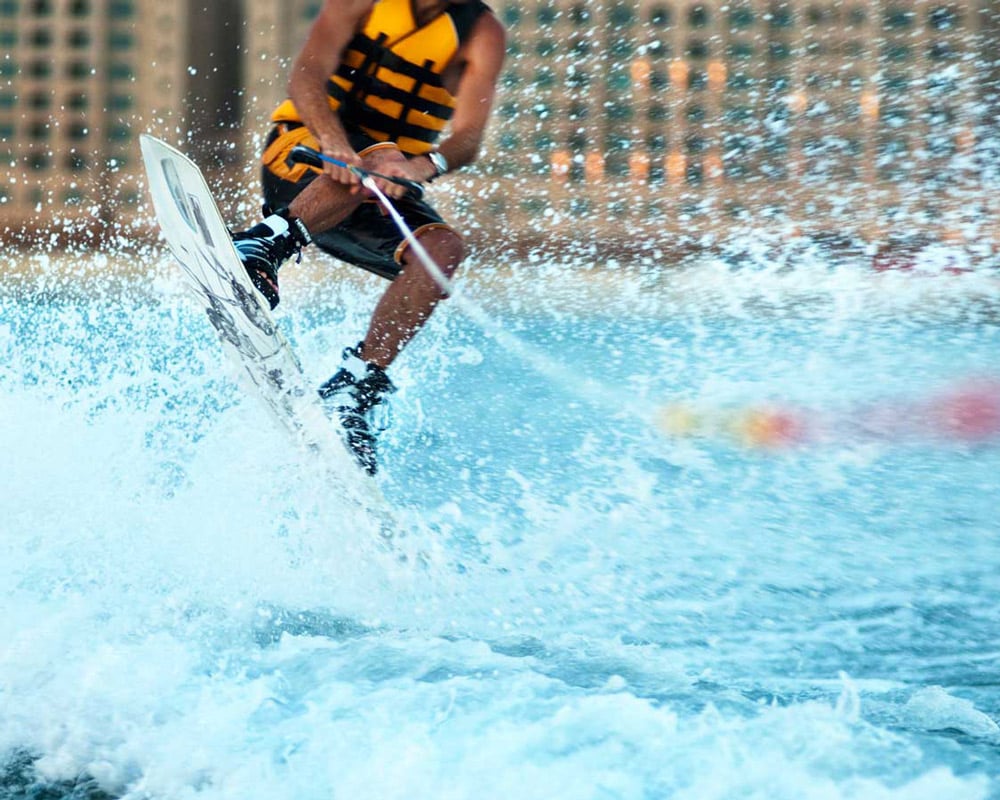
(388, 83)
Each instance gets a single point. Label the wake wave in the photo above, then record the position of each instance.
(568, 603)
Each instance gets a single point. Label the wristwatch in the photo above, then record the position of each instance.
(439, 162)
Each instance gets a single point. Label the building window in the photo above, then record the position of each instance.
(741, 17)
(79, 38)
(659, 16)
(547, 14)
(942, 51)
(781, 16)
(120, 72)
(896, 52)
(39, 160)
(121, 40)
(697, 49)
(42, 37)
(121, 9)
(39, 131)
(545, 47)
(79, 70)
(120, 133)
(943, 18)
(544, 78)
(621, 16)
(511, 15)
(898, 18)
(699, 16)
(740, 51)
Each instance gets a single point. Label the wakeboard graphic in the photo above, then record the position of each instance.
(198, 238)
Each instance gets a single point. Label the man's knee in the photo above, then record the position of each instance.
(442, 244)
(447, 246)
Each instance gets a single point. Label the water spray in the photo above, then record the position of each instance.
(967, 414)
(586, 389)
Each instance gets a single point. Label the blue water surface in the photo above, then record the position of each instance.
(571, 603)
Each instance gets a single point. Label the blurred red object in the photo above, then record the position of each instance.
(969, 413)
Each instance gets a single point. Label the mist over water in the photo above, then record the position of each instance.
(571, 601)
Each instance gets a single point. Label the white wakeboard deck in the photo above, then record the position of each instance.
(197, 235)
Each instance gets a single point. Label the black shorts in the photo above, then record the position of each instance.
(368, 238)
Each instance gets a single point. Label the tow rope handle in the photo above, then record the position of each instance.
(300, 154)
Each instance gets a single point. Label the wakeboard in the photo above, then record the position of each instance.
(199, 240)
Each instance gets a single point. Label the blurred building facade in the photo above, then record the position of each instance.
(693, 117)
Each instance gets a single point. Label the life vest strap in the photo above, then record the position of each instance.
(363, 115)
(379, 88)
(375, 52)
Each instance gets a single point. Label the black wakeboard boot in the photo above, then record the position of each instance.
(266, 246)
(354, 390)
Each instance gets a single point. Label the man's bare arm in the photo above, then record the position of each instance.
(319, 57)
(485, 48)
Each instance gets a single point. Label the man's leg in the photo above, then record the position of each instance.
(324, 203)
(317, 205)
(412, 297)
(362, 383)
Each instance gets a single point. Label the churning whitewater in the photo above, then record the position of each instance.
(573, 600)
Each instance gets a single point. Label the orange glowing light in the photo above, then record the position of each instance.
(679, 72)
(676, 167)
(869, 105)
(713, 167)
(770, 428)
(640, 72)
(798, 102)
(593, 166)
(965, 139)
(638, 167)
(716, 75)
(560, 164)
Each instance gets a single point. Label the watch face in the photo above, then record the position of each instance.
(439, 162)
